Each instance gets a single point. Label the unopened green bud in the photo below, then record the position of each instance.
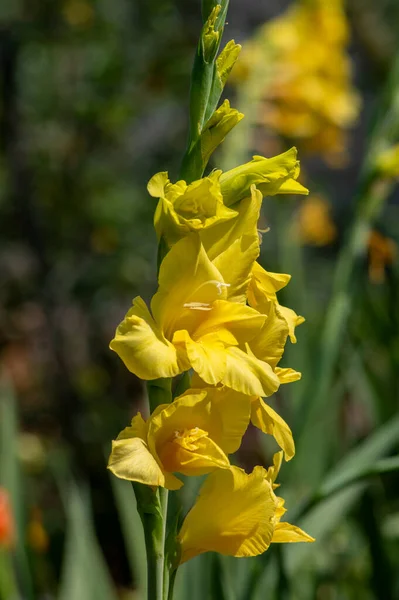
(271, 176)
(215, 130)
(226, 60)
(210, 36)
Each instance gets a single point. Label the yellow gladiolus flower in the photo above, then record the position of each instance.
(192, 436)
(184, 208)
(271, 176)
(192, 325)
(203, 206)
(236, 515)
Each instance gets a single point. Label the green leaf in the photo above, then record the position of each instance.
(325, 516)
(132, 531)
(84, 574)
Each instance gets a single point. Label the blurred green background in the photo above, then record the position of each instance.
(93, 102)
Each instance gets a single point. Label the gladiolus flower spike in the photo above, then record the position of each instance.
(216, 324)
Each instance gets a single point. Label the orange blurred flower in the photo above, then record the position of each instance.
(382, 252)
(37, 536)
(7, 530)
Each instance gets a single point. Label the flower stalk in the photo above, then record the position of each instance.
(216, 329)
(152, 507)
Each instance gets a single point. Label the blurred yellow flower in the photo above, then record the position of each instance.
(387, 163)
(382, 252)
(314, 225)
(237, 515)
(308, 94)
(78, 13)
(194, 325)
(192, 436)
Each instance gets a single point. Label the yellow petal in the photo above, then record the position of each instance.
(157, 183)
(188, 281)
(140, 344)
(265, 283)
(249, 375)
(235, 265)
(220, 237)
(290, 186)
(138, 428)
(292, 319)
(287, 375)
(284, 532)
(207, 356)
(269, 344)
(272, 474)
(130, 459)
(240, 320)
(268, 421)
(192, 453)
(229, 415)
(234, 515)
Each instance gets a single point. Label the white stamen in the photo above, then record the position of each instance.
(198, 305)
(219, 285)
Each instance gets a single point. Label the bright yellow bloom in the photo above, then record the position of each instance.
(202, 206)
(193, 325)
(237, 515)
(192, 436)
(271, 176)
(315, 225)
(308, 94)
(186, 208)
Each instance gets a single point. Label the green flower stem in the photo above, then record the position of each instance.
(172, 579)
(159, 392)
(202, 92)
(152, 508)
(152, 505)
